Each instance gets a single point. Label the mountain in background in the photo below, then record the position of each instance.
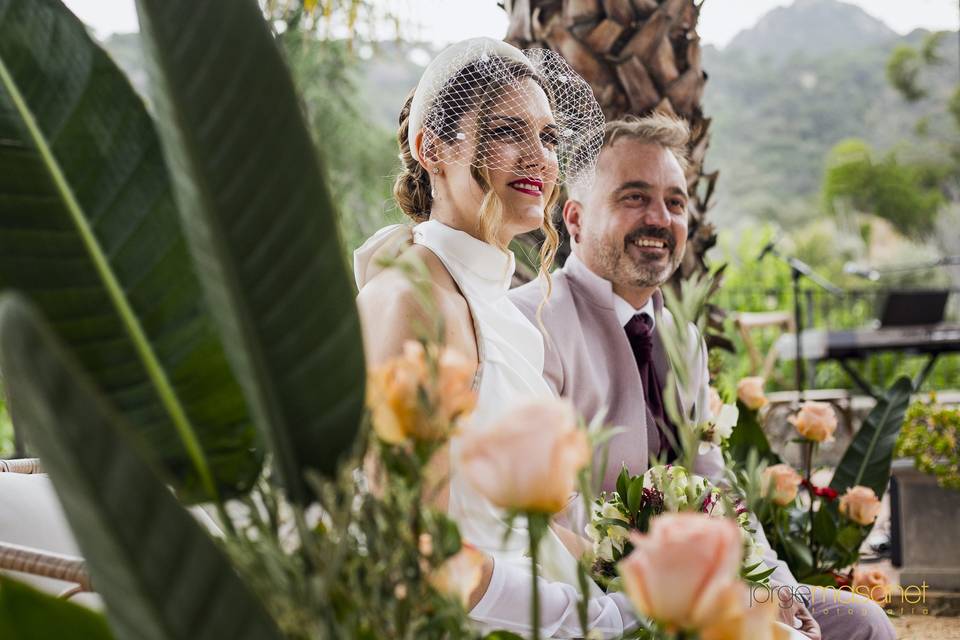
(813, 27)
(780, 96)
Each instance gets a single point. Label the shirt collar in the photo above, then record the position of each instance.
(626, 311)
(600, 292)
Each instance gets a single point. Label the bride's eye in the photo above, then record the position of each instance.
(505, 132)
(549, 139)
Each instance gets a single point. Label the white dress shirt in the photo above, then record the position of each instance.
(626, 311)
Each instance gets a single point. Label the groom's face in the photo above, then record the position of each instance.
(632, 223)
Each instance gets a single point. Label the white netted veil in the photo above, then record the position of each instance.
(482, 71)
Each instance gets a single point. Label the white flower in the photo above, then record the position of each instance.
(724, 423)
(604, 550)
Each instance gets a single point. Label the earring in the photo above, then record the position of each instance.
(436, 170)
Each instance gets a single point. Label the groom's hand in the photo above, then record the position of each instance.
(793, 610)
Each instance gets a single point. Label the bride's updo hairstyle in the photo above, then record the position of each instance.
(459, 87)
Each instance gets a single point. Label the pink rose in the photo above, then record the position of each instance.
(816, 421)
(860, 504)
(680, 573)
(529, 459)
(459, 575)
(750, 392)
(873, 584)
(740, 621)
(407, 402)
(780, 484)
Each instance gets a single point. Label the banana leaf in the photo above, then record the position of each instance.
(868, 458)
(161, 576)
(748, 435)
(28, 614)
(90, 233)
(261, 225)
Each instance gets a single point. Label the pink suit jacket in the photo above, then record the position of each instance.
(588, 359)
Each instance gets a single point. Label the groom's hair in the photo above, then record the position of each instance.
(669, 132)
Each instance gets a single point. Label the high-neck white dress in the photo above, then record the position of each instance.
(511, 370)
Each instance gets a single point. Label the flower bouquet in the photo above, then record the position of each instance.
(662, 489)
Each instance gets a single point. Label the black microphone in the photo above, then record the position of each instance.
(767, 249)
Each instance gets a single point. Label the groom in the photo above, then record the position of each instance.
(628, 230)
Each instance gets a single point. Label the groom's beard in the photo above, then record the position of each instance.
(614, 259)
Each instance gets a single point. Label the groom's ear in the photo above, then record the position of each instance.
(572, 213)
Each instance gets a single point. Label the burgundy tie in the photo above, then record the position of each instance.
(640, 334)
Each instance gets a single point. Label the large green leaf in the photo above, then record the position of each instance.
(868, 458)
(28, 614)
(160, 575)
(261, 225)
(89, 232)
(748, 435)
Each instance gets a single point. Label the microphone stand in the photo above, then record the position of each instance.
(799, 270)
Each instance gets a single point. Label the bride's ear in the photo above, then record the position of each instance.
(427, 149)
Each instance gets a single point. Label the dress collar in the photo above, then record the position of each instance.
(483, 263)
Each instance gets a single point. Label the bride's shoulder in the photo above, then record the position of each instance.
(394, 292)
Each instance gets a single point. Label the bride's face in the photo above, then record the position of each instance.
(515, 139)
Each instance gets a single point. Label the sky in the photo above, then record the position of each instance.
(443, 21)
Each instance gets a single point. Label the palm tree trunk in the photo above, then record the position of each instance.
(639, 56)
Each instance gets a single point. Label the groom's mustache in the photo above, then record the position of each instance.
(657, 233)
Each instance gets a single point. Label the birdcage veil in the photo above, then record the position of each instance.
(466, 76)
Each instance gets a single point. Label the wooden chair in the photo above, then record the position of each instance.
(748, 322)
(44, 564)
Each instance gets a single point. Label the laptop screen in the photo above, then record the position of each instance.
(910, 308)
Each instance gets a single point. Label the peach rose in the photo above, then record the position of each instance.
(756, 621)
(816, 421)
(750, 392)
(873, 584)
(860, 504)
(529, 459)
(680, 573)
(407, 401)
(459, 575)
(780, 484)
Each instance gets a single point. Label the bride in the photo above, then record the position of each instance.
(486, 139)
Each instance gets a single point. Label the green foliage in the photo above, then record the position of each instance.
(748, 439)
(159, 573)
(774, 122)
(749, 285)
(27, 614)
(816, 540)
(930, 48)
(868, 457)
(360, 154)
(908, 195)
(362, 569)
(903, 72)
(89, 231)
(262, 231)
(6, 429)
(930, 436)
